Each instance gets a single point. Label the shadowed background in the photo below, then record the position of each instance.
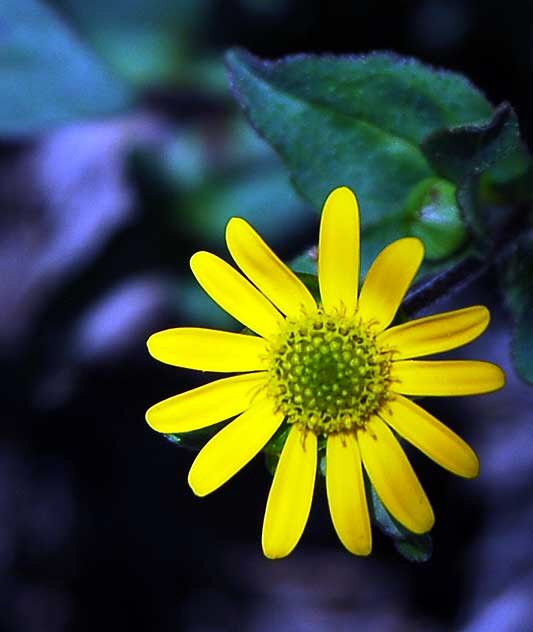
(121, 153)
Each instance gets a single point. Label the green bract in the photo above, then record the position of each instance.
(435, 218)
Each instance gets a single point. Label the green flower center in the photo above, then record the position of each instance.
(327, 373)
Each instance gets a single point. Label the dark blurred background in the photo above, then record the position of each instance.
(121, 153)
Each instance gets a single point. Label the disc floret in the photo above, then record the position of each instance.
(327, 372)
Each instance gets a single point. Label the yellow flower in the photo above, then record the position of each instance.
(335, 370)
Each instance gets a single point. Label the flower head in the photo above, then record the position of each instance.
(333, 371)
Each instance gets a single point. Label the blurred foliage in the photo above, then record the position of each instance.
(48, 76)
(145, 43)
(200, 178)
(210, 175)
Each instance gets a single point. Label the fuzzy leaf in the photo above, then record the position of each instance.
(355, 121)
(473, 147)
(463, 154)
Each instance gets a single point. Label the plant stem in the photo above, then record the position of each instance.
(453, 279)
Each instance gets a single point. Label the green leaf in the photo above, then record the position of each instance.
(414, 547)
(518, 289)
(48, 77)
(355, 121)
(510, 180)
(473, 147)
(463, 154)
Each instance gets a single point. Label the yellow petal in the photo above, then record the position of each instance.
(234, 446)
(393, 477)
(445, 377)
(430, 436)
(338, 252)
(266, 270)
(289, 501)
(346, 493)
(235, 294)
(208, 349)
(206, 405)
(437, 333)
(388, 280)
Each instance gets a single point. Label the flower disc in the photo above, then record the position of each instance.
(327, 374)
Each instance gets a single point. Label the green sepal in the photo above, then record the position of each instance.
(322, 463)
(271, 462)
(463, 154)
(274, 447)
(517, 282)
(311, 283)
(196, 439)
(413, 546)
